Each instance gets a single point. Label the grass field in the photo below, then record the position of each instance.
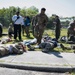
(51, 33)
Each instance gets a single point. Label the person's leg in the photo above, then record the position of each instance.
(49, 46)
(33, 30)
(15, 31)
(26, 30)
(28, 34)
(36, 33)
(19, 32)
(42, 45)
(40, 35)
(39, 39)
(23, 29)
(57, 35)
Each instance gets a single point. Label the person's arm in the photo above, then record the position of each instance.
(22, 21)
(46, 21)
(35, 21)
(14, 18)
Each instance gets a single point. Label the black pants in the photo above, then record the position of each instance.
(0, 31)
(57, 33)
(17, 31)
(23, 29)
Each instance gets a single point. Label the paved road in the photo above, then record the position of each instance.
(8, 71)
(53, 61)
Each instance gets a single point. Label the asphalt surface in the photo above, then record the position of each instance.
(8, 71)
(39, 61)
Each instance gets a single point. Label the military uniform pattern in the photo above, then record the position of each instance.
(40, 24)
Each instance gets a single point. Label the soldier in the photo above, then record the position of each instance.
(40, 23)
(58, 26)
(71, 31)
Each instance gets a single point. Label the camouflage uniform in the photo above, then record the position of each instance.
(58, 27)
(12, 49)
(71, 31)
(3, 51)
(40, 24)
(33, 24)
(47, 46)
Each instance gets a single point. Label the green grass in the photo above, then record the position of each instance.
(51, 33)
(73, 73)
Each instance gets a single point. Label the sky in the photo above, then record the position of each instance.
(63, 8)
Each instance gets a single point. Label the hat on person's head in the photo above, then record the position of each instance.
(43, 9)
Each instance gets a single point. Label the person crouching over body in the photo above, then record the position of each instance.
(71, 31)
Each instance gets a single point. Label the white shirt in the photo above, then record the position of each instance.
(19, 20)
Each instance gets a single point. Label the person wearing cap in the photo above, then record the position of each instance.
(18, 21)
(40, 23)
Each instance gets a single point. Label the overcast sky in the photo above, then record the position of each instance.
(64, 8)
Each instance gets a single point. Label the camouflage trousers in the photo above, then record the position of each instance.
(4, 51)
(17, 49)
(46, 46)
(38, 32)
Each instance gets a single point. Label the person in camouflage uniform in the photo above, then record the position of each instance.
(18, 48)
(40, 23)
(71, 29)
(58, 27)
(71, 32)
(33, 24)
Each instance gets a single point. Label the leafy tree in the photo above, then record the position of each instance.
(32, 11)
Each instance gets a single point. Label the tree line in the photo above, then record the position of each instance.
(7, 13)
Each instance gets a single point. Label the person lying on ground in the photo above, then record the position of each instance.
(18, 48)
(46, 44)
(5, 40)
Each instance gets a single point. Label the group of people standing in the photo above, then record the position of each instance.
(39, 23)
(19, 22)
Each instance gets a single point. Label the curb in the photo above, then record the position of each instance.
(45, 69)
